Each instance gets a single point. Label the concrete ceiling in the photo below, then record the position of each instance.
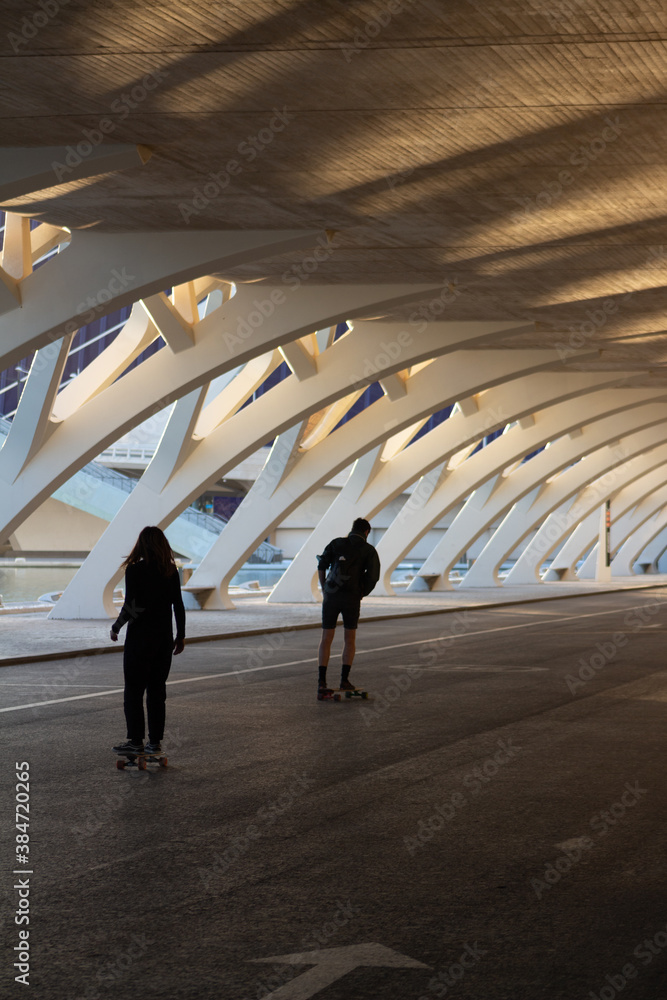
(516, 150)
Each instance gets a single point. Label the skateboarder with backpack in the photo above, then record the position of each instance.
(348, 570)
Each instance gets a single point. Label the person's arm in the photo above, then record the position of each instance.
(323, 563)
(179, 612)
(129, 611)
(372, 574)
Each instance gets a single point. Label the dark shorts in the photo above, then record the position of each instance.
(338, 604)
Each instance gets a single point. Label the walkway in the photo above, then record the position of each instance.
(30, 637)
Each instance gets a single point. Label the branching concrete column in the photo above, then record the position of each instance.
(105, 407)
(631, 551)
(297, 584)
(600, 457)
(583, 513)
(323, 456)
(399, 467)
(492, 461)
(649, 556)
(272, 413)
(99, 273)
(32, 422)
(631, 506)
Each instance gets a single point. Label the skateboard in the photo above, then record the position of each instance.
(139, 760)
(338, 694)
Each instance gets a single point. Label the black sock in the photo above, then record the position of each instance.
(322, 679)
(345, 673)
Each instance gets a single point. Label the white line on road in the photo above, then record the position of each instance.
(360, 652)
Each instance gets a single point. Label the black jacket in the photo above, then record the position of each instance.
(149, 598)
(353, 565)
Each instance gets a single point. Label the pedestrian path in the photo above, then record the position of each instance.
(30, 637)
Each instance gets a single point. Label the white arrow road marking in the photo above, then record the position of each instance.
(332, 964)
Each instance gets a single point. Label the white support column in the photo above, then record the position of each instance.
(499, 455)
(101, 272)
(33, 168)
(484, 572)
(469, 513)
(32, 422)
(632, 505)
(634, 520)
(272, 413)
(526, 569)
(631, 550)
(641, 475)
(88, 429)
(238, 538)
(298, 584)
(650, 555)
(602, 451)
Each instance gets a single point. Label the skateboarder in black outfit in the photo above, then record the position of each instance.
(152, 588)
(348, 570)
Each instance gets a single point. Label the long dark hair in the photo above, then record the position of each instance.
(153, 547)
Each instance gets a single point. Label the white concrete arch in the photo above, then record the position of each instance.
(640, 541)
(99, 273)
(637, 479)
(287, 480)
(206, 459)
(650, 555)
(624, 523)
(373, 484)
(87, 420)
(532, 509)
(480, 470)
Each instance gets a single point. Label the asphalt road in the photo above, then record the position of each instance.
(490, 825)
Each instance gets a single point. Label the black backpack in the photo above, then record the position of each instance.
(345, 571)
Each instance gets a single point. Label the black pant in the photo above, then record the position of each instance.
(146, 667)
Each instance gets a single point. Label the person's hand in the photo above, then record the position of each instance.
(113, 635)
(179, 646)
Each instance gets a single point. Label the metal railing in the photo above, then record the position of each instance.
(128, 454)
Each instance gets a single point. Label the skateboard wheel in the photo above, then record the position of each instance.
(163, 762)
(141, 764)
(120, 764)
(336, 697)
(365, 696)
(348, 694)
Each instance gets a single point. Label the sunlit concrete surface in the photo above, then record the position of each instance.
(492, 819)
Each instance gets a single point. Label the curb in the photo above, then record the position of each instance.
(12, 661)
